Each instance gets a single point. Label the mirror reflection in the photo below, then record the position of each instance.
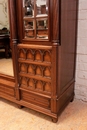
(6, 65)
(41, 7)
(29, 29)
(42, 29)
(28, 8)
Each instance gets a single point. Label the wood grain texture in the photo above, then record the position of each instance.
(44, 69)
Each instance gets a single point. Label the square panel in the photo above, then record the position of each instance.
(29, 27)
(42, 29)
(28, 6)
(41, 7)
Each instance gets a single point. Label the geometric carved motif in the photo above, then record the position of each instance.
(35, 84)
(35, 65)
(23, 67)
(35, 55)
(31, 69)
(22, 54)
(38, 55)
(37, 70)
(47, 72)
(30, 55)
(47, 56)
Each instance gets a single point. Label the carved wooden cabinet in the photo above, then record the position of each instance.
(43, 35)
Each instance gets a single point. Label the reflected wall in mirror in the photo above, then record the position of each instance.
(41, 7)
(28, 8)
(6, 65)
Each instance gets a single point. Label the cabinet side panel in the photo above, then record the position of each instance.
(68, 41)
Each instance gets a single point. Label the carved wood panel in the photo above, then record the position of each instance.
(35, 55)
(38, 70)
(36, 63)
(34, 84)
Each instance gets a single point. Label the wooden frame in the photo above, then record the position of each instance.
(39, 91)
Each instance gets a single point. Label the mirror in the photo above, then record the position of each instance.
(6, 65)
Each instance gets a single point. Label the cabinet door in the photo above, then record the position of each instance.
(35, 19)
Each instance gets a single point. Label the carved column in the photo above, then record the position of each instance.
(14, 40)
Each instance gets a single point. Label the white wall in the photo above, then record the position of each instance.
(81, 63)
(4, 20)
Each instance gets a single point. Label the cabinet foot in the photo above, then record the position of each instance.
(20, 107)
(54, 120)
(72, 99)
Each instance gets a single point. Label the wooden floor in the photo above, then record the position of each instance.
(74, 117)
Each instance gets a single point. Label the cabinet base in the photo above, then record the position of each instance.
(54, 120)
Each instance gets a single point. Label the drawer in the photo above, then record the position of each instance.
(7, 90)
(35, 99)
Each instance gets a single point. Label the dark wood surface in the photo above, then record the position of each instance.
(5, 44)
(44, 69)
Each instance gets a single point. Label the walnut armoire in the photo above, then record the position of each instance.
(43, 39)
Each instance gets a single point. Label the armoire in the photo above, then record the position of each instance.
(43, 36)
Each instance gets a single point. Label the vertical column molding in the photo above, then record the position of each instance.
(14, 41)
(54, 95)
(55, 20)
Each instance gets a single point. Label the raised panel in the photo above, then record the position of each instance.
(23, 67)
(47, 56)
(23, 81)
(39, 71)
(47, 87)
(7, 90)
(31, 69)
(39, 85)
(22, 54)
(38, 55)
(47, 72)
(35, 99)
(31, 84)
(30, 55)
(38, 74)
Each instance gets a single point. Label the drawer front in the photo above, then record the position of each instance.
(35, 99)
(7, 90)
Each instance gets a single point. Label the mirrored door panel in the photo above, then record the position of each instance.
(41, 8)
(6, 64)
(28, 6)
(29, 28)
(36, 19)
(42, 28)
